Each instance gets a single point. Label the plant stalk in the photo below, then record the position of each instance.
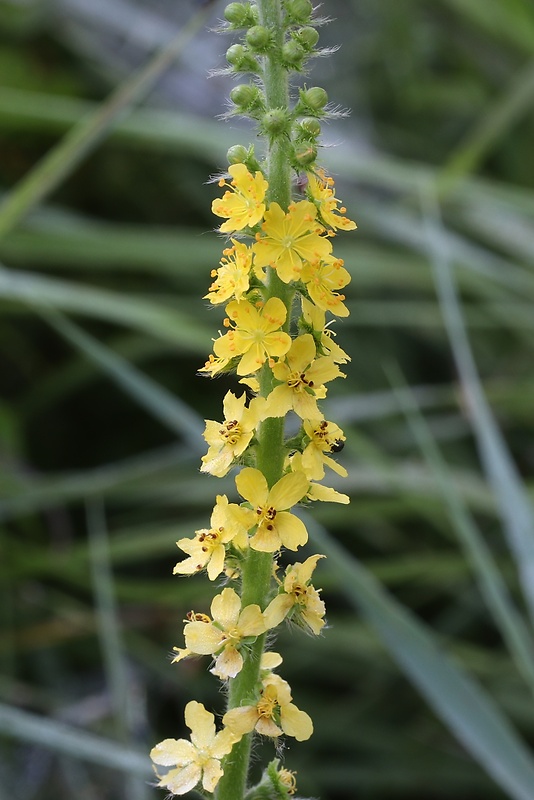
(257, 569)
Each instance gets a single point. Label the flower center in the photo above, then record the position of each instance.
(232, 635)
(266, 707)
(298, 382)
(231, 431)
(300, 593)
(266, 515)
(210, 539)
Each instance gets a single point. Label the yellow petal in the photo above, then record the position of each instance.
(228, 664)
(225, 607)
(181, 781)
(291, 529)
(252, 485)
(270, 660)
(274, 314)
(202, 638)
(216, 562)
(212, 774)
(265, 541)
(233, 406)
(327, 494)
(288, 491)
(302, 352)
(201, 723)
(279, 402)
(267, 727)
(223, 743)
(305, 570)
(295, 722)
(251, 621)
(173, 752)
(252, 360)
(277, 610)
(241, 720)
(305, 405)
(323, 370)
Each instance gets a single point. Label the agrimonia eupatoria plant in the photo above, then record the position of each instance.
(278, 279)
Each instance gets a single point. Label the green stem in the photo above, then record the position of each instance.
(257, 570)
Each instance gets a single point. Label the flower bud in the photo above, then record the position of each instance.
(276, 122)
(307, 38)
(299, 11)
(237, 154)
(308, 128)
(305, 154)
(292, 54)
(258, 38)
(246, 97)
(239, 15)
(313, 99)
(240, 59)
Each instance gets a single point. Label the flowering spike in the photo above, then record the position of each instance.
(279, 247)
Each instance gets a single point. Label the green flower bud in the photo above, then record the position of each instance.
(240, 59)
(305, 154)
(299, 11)
(308, 128)
(276, 122)
(240, 15)
(292, 54)
(246, 97)
(313, 99)
(307, 38)
(237, 154)
(258, 38)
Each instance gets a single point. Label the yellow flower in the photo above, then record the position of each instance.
(298, 598)
(242, 204)
(288, 780)
(275, 525)
(314, 320)
(229, 440)
(256, 335)
(224, 635)
(303, 377)
(322, 278)
(325, 437)
(233, 276)
(214, 365)
(208, 548)
(195, 761)
(316, 491)
(320, 189)
(290, 239)
(272, 715)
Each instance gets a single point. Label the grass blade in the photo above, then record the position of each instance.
(510, 622)
(119, 684)
(458, 700)
(55, 735)
(514, 504)
(170, 410)
(37, 291)
(86, 134)
(515, 102)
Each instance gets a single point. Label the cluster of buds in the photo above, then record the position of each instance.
(290, 48)
(284, 354)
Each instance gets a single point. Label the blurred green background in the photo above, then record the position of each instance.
(105, 255)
